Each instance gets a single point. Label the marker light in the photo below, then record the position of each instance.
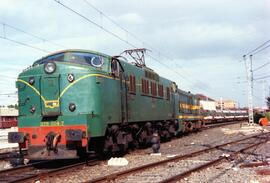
(72, 107)
(70, 78)
(31, 80)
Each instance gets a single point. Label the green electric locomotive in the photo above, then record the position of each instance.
(75, 102)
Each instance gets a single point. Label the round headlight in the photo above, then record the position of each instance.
(72, 107)
(50, 67)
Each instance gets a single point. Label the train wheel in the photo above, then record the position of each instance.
(16, 159)
(189, 126)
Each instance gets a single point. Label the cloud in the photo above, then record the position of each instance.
(203, 39)
(131, 18)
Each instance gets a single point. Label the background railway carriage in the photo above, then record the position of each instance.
(189, 111)
(208, 108)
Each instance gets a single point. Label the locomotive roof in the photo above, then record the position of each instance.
(186, 93)
(87, 51)
(76, 50)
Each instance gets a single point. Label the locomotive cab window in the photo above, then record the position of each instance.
(83, 58)
(56, 57)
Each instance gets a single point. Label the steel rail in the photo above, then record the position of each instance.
(208, 164)
(45, 173)
(176, 158)
(6, 155)
(5, 174)
(29, 172)
(219, 124)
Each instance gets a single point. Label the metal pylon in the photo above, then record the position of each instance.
(250, 89)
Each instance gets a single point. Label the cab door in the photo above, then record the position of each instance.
(50, 91)
(118, 72)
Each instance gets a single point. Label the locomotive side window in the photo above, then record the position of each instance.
(132, 84)
(153, 88)
(147, 87)
(144, 86)
(168, 93)
(160, 90)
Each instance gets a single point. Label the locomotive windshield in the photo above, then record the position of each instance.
(74, 57)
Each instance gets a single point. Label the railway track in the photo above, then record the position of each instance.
(256, 140)
(220, 124)
(11, 154)
(39, 170)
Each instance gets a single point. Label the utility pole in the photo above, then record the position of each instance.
(221, 104)
(250, 89)
(264, 95)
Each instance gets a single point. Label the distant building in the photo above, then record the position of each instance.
(226, 104)
(8, 117)
(206, 103)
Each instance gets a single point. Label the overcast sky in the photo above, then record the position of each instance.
(201, 41)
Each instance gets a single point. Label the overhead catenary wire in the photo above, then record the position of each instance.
(137, 38)
(254, 51)
(250, 72)
(15, 93)
(261, 50)
(121, 27)
(6, 76)
(110, 19)
(24, 44)
(96, 24)
(29, 34)
(263, 77)
(261, 74)
(116, 36)
(261, 66)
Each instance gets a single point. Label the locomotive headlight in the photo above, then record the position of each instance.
(50, 67)
(72, 107)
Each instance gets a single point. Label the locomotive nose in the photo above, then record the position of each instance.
(50, 90)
